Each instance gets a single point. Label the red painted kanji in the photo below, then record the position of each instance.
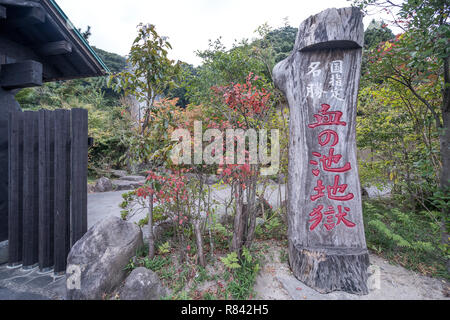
(329, 225)
(328, 134)
(319, 188)
(333, 190)
(317, 216)
(341, 217)
(327, 161)
(327, 118)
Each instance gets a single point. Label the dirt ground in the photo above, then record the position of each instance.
(387, 282)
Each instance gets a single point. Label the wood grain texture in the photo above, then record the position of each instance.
(332, 28)
(46, 189)
(21, 75)
(62, 189)
(55, 48)
(3, 12)
(15, 208)
(48, 154)
(30, 190)
(335, 259)
(79, 173)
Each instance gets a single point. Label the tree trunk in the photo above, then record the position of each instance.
(445, 150)
(151, 237)
(199, 241)
(210, 222)
(198, 229)
(327, 246)
(251, 210)
(445, 136)
(238, 230)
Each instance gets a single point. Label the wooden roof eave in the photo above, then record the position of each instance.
(79, 44)
(81, 62)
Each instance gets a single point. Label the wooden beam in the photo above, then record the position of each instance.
(21, 75)
(29, 16)
(55, 48)
(2, 12)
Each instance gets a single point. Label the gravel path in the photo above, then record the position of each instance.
(387, 282)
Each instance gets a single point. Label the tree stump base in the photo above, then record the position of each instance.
(331, 269)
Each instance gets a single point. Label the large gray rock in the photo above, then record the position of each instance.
(91, 188)
(133, 178)
(103, 185)
(118, 173)
(159, 229)
(96, 263)
(142, 284)
(120, 185)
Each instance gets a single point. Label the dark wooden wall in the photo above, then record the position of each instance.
(48, 186)
(7, 104)
(37, 45)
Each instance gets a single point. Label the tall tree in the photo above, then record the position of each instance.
(376, 33)
(427, 25)
(151, 72)
(420, 55)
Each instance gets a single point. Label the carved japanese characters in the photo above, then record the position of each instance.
(327, 247)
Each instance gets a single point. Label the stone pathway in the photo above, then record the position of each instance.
(17, 283)
(7, 294)
(105, 204)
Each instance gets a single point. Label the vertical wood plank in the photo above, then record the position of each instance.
(30, 190)
(15, 147)
(67, 190)
(79, 174)
(62, 189)
(46, 128)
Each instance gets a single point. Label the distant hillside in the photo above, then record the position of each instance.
(283, 40)
(116, 63)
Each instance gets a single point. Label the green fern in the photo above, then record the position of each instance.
(247, 255)
(382, 228)
(231, 261)
(164, 248)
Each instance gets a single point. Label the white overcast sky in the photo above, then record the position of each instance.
(189, 24)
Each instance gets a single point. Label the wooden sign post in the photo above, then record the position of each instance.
(320, 79)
